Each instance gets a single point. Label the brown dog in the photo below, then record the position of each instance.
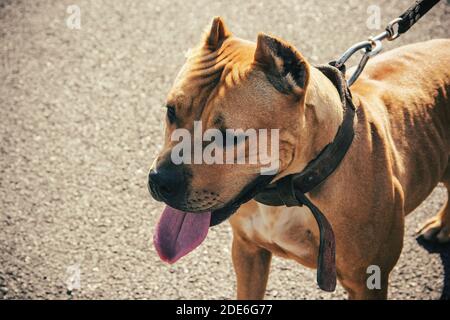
(400, 152)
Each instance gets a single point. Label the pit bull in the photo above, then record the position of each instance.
(400, 152)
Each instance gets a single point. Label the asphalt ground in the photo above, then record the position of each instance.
(81, 120)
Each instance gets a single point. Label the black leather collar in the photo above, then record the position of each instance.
(290, 190)
(320, 168)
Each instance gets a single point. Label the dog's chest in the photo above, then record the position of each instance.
(288, 232)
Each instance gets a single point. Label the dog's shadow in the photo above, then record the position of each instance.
(444, 251)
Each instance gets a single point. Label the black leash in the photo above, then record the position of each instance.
(290, 190)
(414, 13)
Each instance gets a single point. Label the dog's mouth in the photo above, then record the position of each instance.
(179, 232)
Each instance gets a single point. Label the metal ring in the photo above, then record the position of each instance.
(390, 29)
(377, 46)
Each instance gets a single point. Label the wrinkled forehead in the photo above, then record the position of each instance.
(205, 72)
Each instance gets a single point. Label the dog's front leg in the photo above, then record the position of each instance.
(251, 264)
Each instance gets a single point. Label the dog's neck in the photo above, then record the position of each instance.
(323, 102)
(321, 118)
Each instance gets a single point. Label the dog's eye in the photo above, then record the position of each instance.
(171, 114)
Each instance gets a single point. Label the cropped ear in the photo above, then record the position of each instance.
(217, 34)
(284, 66)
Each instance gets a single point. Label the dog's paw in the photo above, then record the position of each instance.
(435, 230)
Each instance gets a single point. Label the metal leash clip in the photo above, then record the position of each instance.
(370, 48)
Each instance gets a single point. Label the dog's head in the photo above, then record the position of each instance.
(229, 84)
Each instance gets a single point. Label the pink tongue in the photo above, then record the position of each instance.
(179, 232)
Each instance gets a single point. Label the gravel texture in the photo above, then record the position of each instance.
(81, 120)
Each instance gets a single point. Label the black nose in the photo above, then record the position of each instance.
(167, 183)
